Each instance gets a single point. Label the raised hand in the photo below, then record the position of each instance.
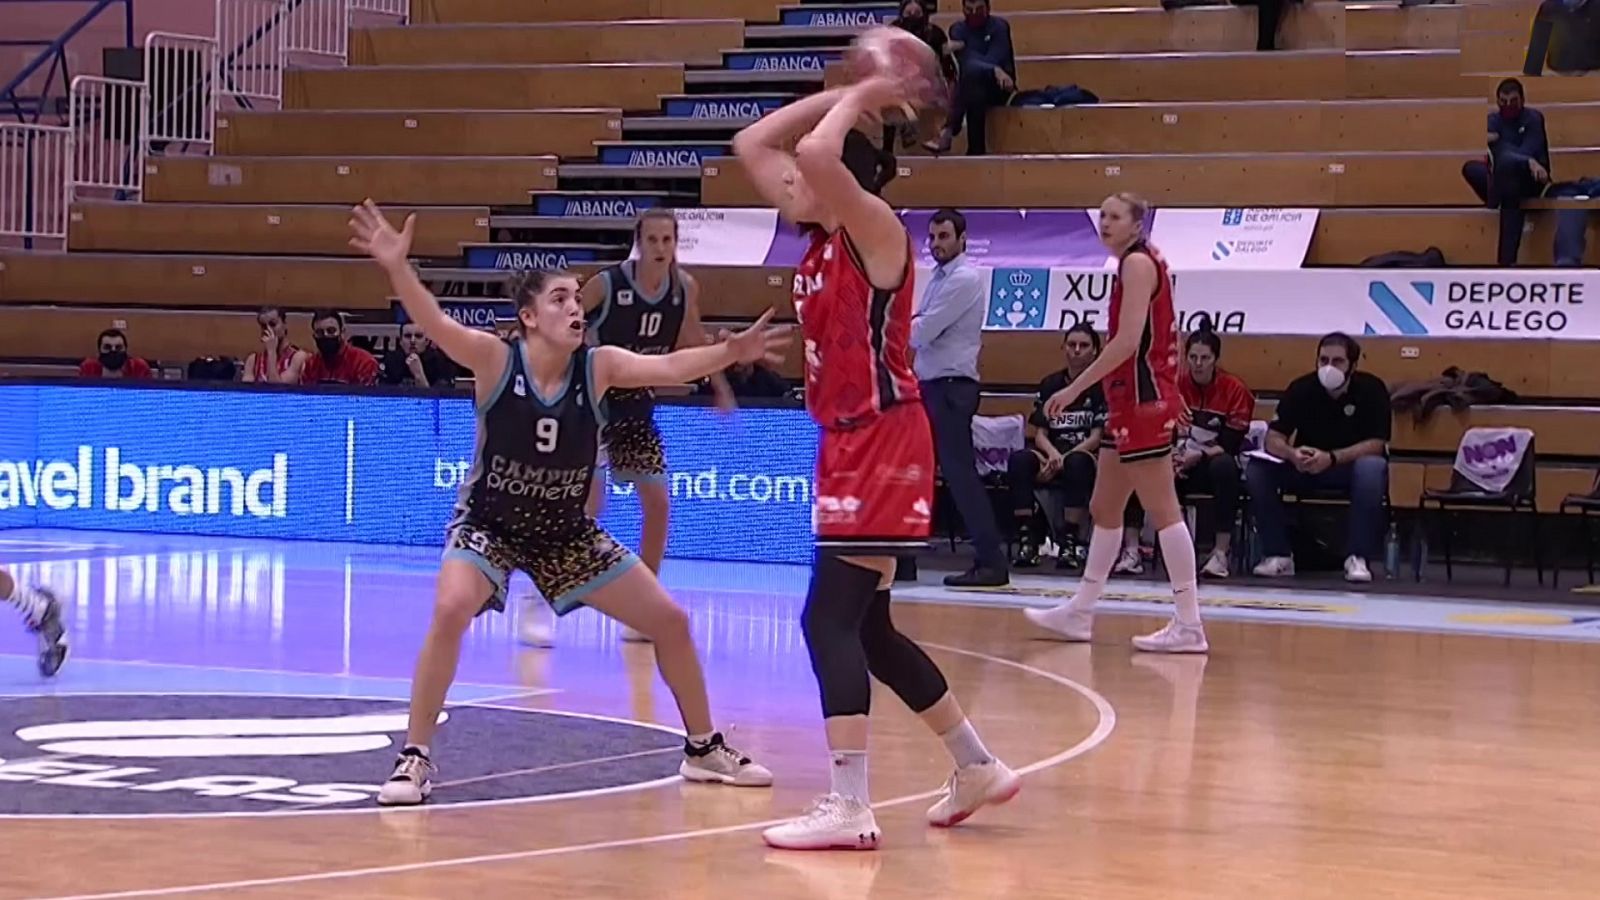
(761, 342)
(372, 234)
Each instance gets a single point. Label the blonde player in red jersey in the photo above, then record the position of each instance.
(1139, 366)
(874, 488)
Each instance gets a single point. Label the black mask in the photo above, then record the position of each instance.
(329, 346)
(113, 360)
(913, 23)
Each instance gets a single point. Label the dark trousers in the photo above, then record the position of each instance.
(1504, 187)
(1074, 485)
(976, 91)
(1364, 481)
(951, 404)
(1219, 477)
(1268, 14)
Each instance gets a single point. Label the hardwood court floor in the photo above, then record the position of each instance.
(1294, 762)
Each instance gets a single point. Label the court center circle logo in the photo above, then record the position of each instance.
(225, 754)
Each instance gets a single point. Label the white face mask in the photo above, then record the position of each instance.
(1331, 377)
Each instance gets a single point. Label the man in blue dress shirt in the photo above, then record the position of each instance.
(946, 334)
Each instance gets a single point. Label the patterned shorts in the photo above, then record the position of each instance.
(634, 449)
(564, 570)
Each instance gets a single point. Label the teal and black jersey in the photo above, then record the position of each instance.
(634, 320)
(535, 454)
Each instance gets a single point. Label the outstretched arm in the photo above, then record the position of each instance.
(618, 368)
(479, 351)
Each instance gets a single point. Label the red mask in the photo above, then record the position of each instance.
(977, 19)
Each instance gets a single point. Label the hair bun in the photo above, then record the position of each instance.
(1201, 324)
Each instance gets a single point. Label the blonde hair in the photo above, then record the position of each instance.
(1138, 206)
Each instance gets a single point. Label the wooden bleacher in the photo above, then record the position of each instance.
(431, 181)
(668, 40)
(262, 229)
(461, 133)
(1413, 178)
(628, 86)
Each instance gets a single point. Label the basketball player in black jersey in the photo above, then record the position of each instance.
(41, 612)
(540, 399)
(648, 306)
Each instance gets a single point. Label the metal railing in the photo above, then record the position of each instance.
(112, 124)
(108, 118)
(317, 27)
(35, 184)
(252, 71)
(54, 55)
(398, 8)
(180, 71)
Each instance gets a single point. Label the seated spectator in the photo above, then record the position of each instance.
(988, 76)
(336, 361)
(1331, 435)
(1207, 462)
(1517, 168)
(416, 362)
(1572, 225)
(278, 361)
(113, 360)
(914, 18)
(1059, 469)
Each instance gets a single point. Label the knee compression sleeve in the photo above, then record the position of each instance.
(897, 661)
(835, 604)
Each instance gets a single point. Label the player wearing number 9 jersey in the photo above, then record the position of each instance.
(540, 405)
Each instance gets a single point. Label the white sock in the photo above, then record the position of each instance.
(1104, 545)
(420, 748)
(965, 746)
(27, 601)
(1177, 550)
(849, 774)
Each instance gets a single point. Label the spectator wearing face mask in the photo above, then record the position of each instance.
(1207, 462)
(112, 359)
(982, 46)
(278, 361)
(1331, 435)
(336, 360)
(416, 362)
(914, 19)
(1517, 168)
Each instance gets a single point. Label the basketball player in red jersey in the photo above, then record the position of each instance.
(1140, 368)
(874, 486)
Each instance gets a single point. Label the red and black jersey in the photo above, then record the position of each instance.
(1151, 374)
(1219, 412)
(857, 337)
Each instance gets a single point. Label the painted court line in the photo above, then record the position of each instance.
(1102, 730)
(556, 767)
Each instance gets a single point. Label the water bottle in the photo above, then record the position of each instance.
(1391, 553)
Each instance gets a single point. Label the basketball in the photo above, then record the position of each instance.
(886, 51)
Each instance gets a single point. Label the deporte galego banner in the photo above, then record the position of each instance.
(371, 468)
(1505, 303)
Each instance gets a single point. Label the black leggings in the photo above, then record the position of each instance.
(1219, 477)
(850, 634)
